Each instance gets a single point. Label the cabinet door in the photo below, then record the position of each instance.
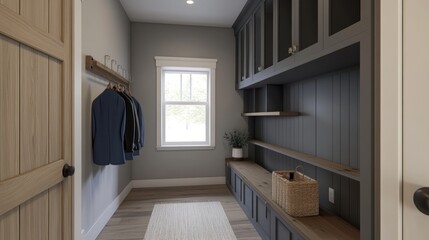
(244, 52)
(345, 19)
(279, 230)
(308, 30)
(247, 201)
(284, 23)
(263, 36)
(228, 177)
(263, 216)
(237, 187)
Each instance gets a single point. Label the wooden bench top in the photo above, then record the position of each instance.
(325, 226)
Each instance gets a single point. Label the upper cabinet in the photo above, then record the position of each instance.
(263, 36)
(244, 60)
(299, 30)
(275, 36)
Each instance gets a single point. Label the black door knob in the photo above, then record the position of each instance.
(421, 200)
(68, 170)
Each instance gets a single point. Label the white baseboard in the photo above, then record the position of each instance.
(96, 229)
(176, 182)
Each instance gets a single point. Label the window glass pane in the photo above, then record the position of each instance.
(199, 87)
(172, 86)
(185, 123)
(186, 87)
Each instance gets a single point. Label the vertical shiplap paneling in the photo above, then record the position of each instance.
(336, 117)
(308, 116)
(324, 128)
(354, 116)
(345, 117)
(327, 127)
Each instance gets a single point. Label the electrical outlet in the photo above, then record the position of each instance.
(331, 195)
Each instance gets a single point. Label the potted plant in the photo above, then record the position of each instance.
(236, 139)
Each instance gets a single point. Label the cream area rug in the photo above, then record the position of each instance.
(189, 221)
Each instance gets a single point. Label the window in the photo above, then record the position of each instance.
(185, 103)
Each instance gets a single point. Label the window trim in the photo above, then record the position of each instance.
(178, 63)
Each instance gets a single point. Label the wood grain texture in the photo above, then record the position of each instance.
(132, 217)
(9, 108)
(17, 28)
(25, 186)
(36, 12)
(9, 225)
(33, 109)
(55, 212)
(56, 19)
(56, 106)
(324, 226)
(34, 218)
(98, 68)
(315, 161)
(11, 4)
(267, 114)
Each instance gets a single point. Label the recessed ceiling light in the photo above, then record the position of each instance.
(190, 2)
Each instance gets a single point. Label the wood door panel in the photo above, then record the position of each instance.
(36, 12)
(9, 108)
(56, 19)
(19, 189)
(34, 109)
(11, 4)
(55, 212)
(9, 225)
(35, 119)
(55, 110)
(34, 218)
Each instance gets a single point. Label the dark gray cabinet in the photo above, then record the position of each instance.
(263, 36)
(237, 187)
(247, 201)
(299, 30)
(263, 217)
(279, 229)
(244, 52)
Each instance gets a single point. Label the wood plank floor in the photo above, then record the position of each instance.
(132, 217)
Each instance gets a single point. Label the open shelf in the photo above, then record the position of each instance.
(334, 167)
(268, 114)
(96, 67)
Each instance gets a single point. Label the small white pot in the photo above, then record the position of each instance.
(237, 152)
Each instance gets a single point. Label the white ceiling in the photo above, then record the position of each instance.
(216, 13)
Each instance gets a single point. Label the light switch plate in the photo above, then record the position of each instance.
(331, 195)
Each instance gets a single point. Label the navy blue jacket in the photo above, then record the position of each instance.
(108, 128)
(140, 123)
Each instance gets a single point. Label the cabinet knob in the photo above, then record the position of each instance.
(294, 48)
(260, 68)
(242, 78)
(290, 51)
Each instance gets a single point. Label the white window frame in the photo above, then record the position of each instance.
(186, 64)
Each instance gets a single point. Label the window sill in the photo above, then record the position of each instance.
(184, 148)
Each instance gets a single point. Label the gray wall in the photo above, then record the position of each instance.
(106, 30)
(327, 128)
(150, 40)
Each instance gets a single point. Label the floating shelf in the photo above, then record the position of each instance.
(269, 114)
(100, 69)
(337, 168)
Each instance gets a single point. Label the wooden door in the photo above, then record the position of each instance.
(35, 119)
(415, 115)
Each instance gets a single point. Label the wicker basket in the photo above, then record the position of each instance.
(298, 197)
